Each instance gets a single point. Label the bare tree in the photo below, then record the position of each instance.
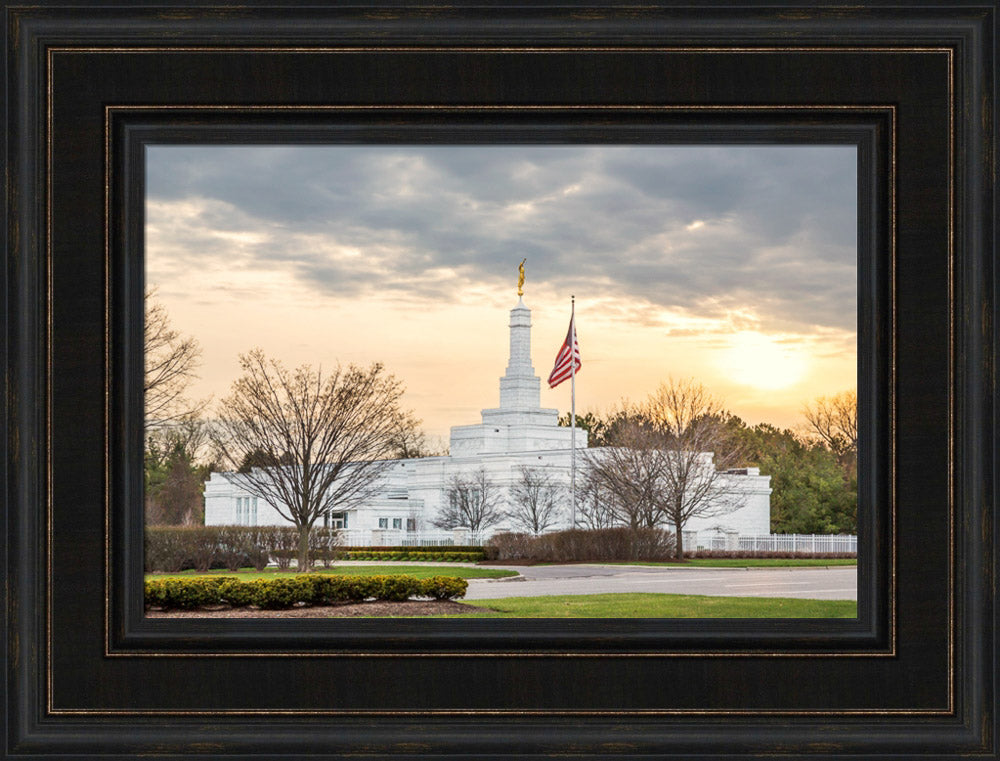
(834, 421)
(330, 433)
(410, 439)
(630, 476)
(660, 468)
(171, 360)
(593, 503)
(536, 501)
(473, 501)
(188, 433)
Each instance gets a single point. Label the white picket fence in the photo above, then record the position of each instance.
(811, 543)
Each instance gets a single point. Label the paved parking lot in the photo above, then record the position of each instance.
(834, 583)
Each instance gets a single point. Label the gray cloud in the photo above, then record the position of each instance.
(777, 233)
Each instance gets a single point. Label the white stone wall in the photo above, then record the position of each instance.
(221, 492)
(753, 493)
(425, 482)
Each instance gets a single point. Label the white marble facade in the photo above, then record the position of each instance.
(517, 433)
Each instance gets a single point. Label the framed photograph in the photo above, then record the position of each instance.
(394, 260)
(123, 124)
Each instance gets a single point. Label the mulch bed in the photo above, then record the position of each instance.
(408, 608)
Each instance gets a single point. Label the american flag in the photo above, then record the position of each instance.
(568, 356)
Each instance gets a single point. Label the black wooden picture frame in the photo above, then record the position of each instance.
(88, 88)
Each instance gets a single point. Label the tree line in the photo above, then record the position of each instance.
(310, 442)
(813, 469)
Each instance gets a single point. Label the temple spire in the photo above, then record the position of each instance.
(520, 388)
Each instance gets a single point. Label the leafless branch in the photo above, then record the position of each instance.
(171, 360)
(834, 421)
(666, 461)
(473, 501)
(331, 434)
(536, 500)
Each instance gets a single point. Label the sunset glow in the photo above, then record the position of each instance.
(734, 265)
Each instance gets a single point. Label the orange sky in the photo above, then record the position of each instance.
(751, 296)
(451, 356)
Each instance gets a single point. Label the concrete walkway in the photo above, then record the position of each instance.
(820, 583)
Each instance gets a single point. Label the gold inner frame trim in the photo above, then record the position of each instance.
(890, 109)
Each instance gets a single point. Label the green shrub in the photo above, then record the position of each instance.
(418, 548)
(275, 594)
(443, 587)
(237, 593)
(185, 594)
(154, 593)
(395, 588)
(366, 587)
(449, 557)
(343, 589)
(311, 588)
(283, 593)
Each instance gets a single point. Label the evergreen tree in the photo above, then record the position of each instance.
(811, 491)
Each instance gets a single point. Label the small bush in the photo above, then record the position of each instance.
(443, 587)
(284, 558)
(234, 547)
(166, 549)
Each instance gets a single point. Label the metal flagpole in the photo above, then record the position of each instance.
(572, 413)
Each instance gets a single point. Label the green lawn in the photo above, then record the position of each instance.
(647, 605)
(749, 562)
(419, 571)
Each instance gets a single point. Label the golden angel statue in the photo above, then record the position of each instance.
(520, 277)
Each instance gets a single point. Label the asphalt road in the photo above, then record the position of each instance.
(834, 583)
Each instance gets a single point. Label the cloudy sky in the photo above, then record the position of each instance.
(734, 265)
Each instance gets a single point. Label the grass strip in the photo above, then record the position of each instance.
(419, 571)
(652, 605)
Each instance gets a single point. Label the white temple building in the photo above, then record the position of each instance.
(519, 432)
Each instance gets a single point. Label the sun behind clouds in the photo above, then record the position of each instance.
(763, 361)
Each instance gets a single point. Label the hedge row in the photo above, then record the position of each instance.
(169, 549)
(445, 557)
(307, 589)
(608, 544)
